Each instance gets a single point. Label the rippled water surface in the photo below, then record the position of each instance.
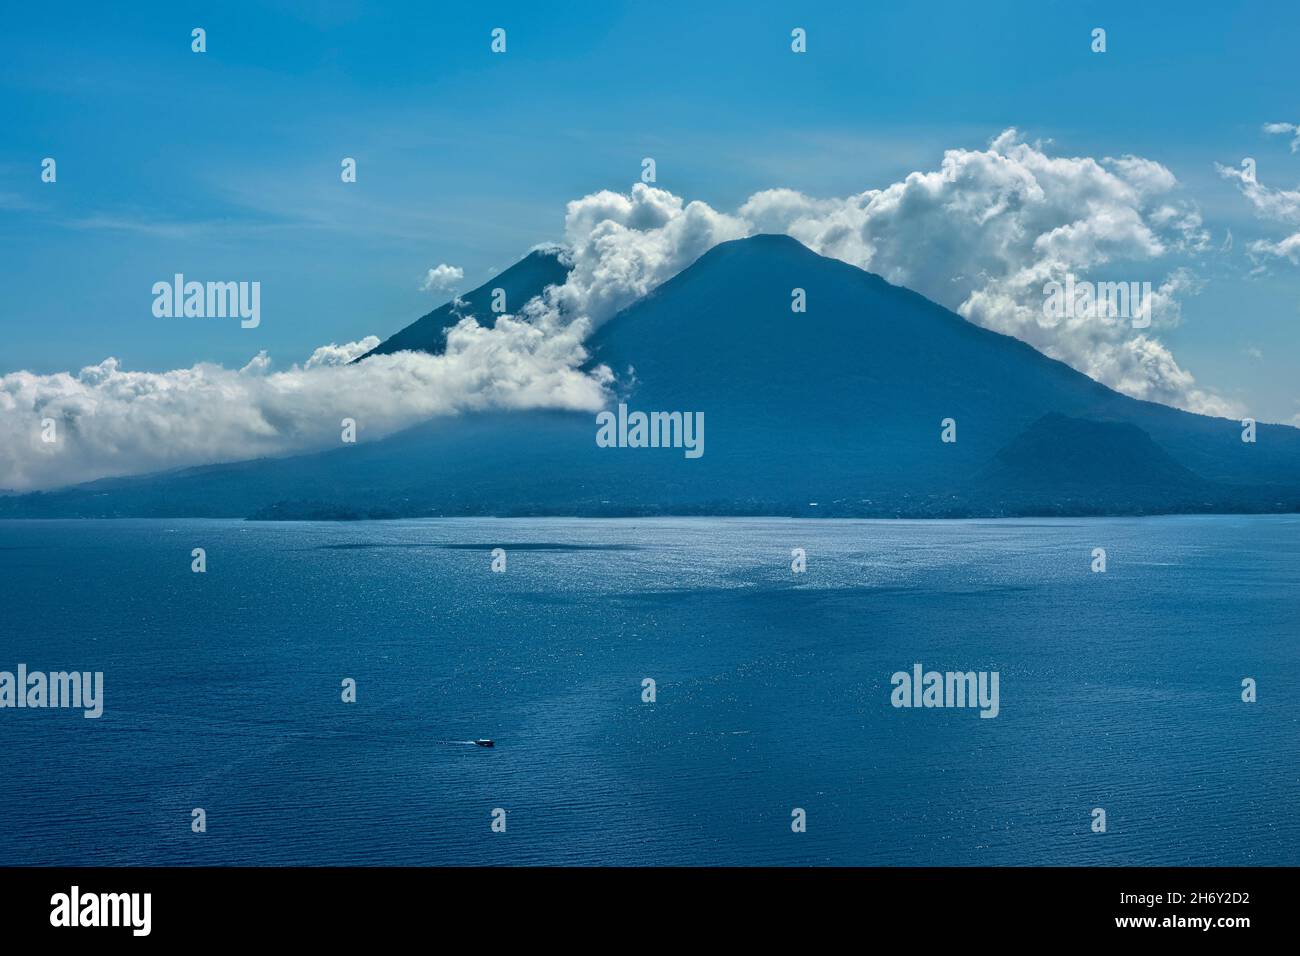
(222, 691)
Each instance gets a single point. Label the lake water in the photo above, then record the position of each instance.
(1119, 690)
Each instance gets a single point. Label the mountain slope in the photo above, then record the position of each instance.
(865, 376)
(1061, 465)
(523, 280)
(834, 411)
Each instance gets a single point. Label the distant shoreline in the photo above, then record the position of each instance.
(661, 516)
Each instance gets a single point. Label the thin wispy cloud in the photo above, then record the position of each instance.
(1270, 204)
(1285, 129)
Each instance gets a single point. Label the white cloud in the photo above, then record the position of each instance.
(1286, 129)
(110, 421)
(1144, 175)
(1288, 248)
(1281, 205)
(442, 278)
(623, 246)
(341, 354)
(1278, 205)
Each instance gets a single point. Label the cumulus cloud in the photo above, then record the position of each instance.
(621, 247)
(442, 278)
(982, 234)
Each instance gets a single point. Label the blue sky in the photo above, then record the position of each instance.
(225, 165)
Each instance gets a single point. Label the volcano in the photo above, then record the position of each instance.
(841, 410)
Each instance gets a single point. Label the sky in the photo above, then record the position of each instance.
(225, 165)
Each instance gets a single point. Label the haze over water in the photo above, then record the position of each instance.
(222, 691)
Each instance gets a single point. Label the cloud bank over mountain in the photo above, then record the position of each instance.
(981, 235)
(110, 421)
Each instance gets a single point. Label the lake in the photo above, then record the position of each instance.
(223, 691)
